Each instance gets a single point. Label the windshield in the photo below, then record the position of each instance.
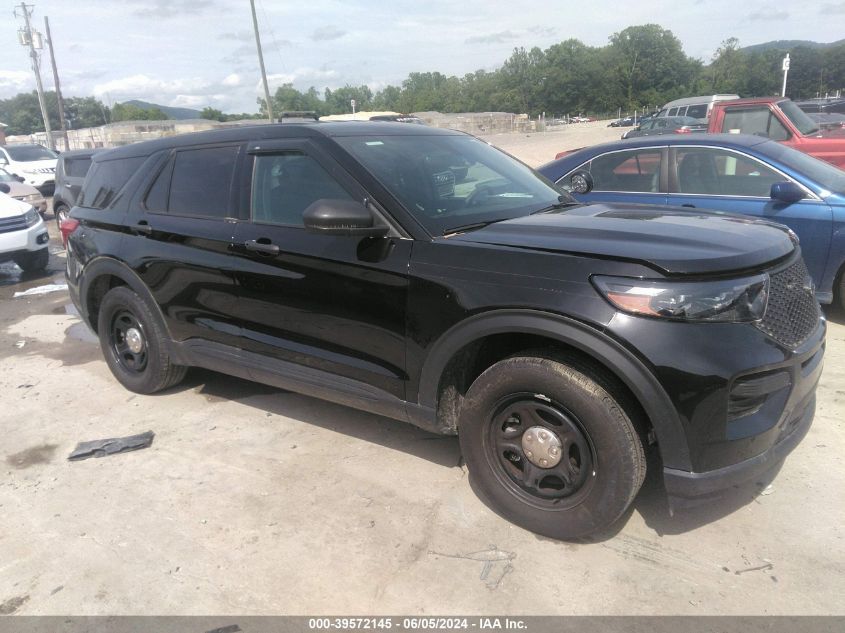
(799, 118)
(27, 153)
(825, 175)
(447, 182)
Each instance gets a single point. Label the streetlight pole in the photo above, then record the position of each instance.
(28, 39)
(261, 62)
(785, 67)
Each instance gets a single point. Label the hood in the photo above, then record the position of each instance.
(9, 207)
(672, 239)
(20, 189)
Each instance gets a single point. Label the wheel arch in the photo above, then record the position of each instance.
(560, 332)
(103, 274)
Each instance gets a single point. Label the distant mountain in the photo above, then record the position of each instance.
(173, 113)
(787, 45)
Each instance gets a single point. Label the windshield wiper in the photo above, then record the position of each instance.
(471, 227)
(557, 206)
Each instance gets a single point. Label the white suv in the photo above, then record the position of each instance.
(23, 234)
(34, 163)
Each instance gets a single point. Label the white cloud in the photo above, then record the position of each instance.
(15, 81)
(301, 78)
(232, 80)
(142, 86)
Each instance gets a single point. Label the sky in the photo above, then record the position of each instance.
(197, 53)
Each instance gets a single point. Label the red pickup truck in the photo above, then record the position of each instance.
(781, 120)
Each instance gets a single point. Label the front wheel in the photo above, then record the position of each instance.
(134, 343)
(33, 261)
(550, 446)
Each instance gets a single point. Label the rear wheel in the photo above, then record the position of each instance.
(61, 212)
(550, 447)
(33, 261)
(134, 343)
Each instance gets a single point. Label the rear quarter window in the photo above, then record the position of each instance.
(106, 180)
(76, 167)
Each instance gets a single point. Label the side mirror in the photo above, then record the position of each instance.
(787, 192)
(19, 178)
(581, 182)
(4, 188)
(341, 217)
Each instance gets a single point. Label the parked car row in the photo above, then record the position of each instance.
(734, 173)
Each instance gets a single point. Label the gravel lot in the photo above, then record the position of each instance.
(257, 501)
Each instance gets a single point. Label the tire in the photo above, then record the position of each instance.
(33, 261)
(601, 460)
(139, 360)
(61, 213)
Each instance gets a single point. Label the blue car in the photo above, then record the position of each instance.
(724, 172)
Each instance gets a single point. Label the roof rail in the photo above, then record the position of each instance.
(298, 115)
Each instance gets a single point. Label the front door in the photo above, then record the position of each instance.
(334, 304)
(634, 175)
(727, 180)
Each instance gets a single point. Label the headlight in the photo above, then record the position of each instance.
(31, 217)
(33, 197)
(725, 300)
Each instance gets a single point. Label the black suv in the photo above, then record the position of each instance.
(71, 169)
(346, 261)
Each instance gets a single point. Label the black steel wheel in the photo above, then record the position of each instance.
(540, 450)
(550, 445)
(134, 343)
(128, 342)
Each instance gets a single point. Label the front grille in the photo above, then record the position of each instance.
(17, 223)
(793, 312)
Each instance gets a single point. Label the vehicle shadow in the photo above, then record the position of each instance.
(834, 314)
(442, 450)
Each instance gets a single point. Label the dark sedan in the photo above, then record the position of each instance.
(726, 172)
(667, 125)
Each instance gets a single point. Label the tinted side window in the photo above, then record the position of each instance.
(77, 167)
(627, 171)
(672, 112)
(157, 195)
(284, 185)
(202, 181)
(105, 181)
(759, 121)
(717, 172)
(698, 111)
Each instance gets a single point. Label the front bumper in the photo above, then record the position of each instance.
(686, 489)
(33, 238)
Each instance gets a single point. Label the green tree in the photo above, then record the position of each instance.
(213, 114)
(339, 101)
(129, 112)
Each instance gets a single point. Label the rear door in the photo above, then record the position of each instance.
(728, 180)
(70, 175)
(181, 226)
(333, 304)
(631, 175)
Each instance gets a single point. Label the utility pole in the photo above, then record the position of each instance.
(27, 37)
(59, 99)
(261, 62)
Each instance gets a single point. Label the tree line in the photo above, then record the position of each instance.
(640, 67)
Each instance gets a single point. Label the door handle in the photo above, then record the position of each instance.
(259, 247)
(142, 228)
(689, 206)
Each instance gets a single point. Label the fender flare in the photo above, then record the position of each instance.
(604, 349)
(100, 266)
